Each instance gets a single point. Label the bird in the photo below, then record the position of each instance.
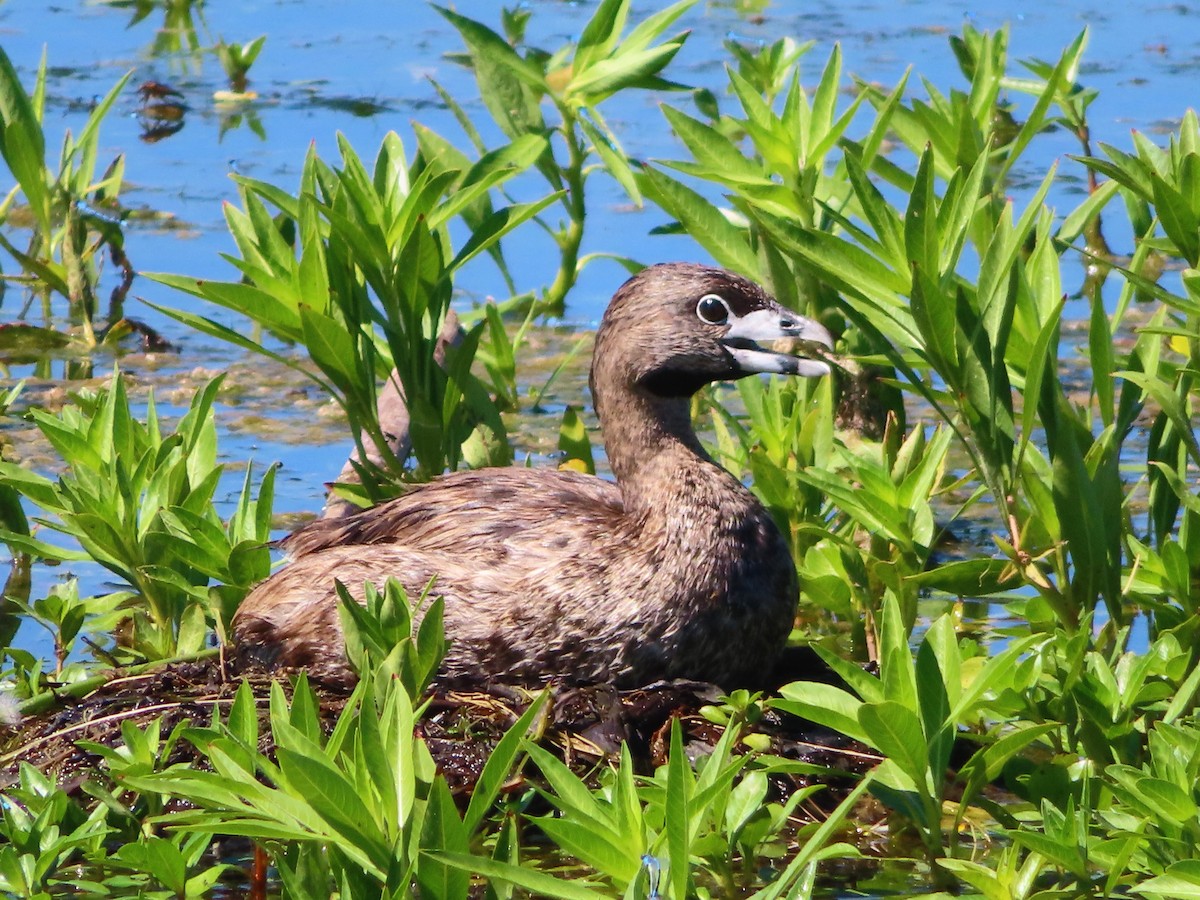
(671, 570)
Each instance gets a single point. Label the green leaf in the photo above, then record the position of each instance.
(1068, 856)
(934, 710)
(862, 682)
(333, 349)
(492, 169)
(986, 763)
(539, 883)
(815, 847)
(38, 488)
(608, 148)
(1182, 703)
(326, 790)
(42, 549)
(994, 676)
(22, 143)
(716, 156)
(499, 764)
(260, 305)
(1075, 222)
(603, 848)
(654, 26)
(601, 33)
(1180, 881)
(630, 69)
(1124, 169)
(727, 243)
(568, 792)
(286, 203)
(158, 857)
(920, 225)
(1179, 220)
(511, 87)
(574, 442)
(849, 269)
(934, 302)
(1041, 363)
(442, 830)
(72, 444)
(889, 229)
(1168, 800)
(496, 226)
(895, 731)
(897, 673)
(677, 811)
(824, 704)
(770, 135)
(21, 340)
(967, 577)
(52, 273)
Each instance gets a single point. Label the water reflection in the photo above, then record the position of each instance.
(235, 115)
(176, 38)
(162, 111)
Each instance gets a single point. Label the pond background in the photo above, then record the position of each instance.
(363, 68)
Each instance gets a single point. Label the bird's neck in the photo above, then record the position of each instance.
(657, 459)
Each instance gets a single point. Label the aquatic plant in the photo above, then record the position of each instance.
(358, 268)
(573, 81)
(236, 60)
(74, 216)
(140, 502)
(913, 712)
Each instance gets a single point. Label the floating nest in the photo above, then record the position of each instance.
(584, 725)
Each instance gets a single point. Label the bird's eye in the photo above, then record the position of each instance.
(712, 310)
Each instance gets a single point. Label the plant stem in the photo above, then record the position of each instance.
(77, 690)
(570, 238)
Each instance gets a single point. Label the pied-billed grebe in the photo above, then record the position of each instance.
(673, 571)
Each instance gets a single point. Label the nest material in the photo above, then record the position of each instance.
(585, 725)
(176, 693)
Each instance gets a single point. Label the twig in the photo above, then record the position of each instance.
(113, 717)
(80, 689)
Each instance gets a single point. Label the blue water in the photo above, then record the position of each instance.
(362, 69)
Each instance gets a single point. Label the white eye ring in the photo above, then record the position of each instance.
(713, 310)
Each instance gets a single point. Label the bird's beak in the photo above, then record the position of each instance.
(746, 335)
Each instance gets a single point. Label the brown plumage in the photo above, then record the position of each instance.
(673, 571)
